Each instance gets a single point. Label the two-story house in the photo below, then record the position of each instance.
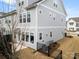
(40, 22)
(73, 25)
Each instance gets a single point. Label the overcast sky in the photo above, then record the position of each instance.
(71, 6)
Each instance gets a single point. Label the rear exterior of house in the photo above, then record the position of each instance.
(40, 21)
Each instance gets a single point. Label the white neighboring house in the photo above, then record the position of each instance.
(40, 22)
(73, 25)
(7, 21)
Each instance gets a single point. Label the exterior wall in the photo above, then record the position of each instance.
(47, 24)
(71, 26)
(28, 27)
(7, 23)
(43, 20)
(59, 3)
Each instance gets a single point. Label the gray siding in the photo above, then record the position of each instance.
(46, 18)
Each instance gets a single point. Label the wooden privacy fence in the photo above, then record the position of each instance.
(51, 50)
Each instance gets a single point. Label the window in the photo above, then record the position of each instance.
(50, 34)
(22, 2)
(53, 18)
(15, 36)
(40, 11)
(19, 36)
(40, 36)
(77, 24)
(28, 17)
(71, 23)
(55, 5)
(31, 37)
(0, 21)
(27, 37)
(77, 29)
(19, 4)
(71, 29)
(8, 21)
(24, 18)
(20, 18)
(23, 37)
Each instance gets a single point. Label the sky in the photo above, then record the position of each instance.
(71, 6)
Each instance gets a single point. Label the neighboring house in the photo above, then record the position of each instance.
(40, 22)
(7, 20)
(73, 25)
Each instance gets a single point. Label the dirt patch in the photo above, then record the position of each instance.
(69, 47)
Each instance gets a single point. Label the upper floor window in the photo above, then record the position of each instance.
(71, 23)
(20, 18)
(7, 21)
(22, 2)
(24, 18)
(55, 5)
(53, 18)
(28, 17)
(19, 4)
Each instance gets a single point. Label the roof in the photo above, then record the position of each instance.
(76, 19)
(2, 13)
(8, 14)
(33, 5)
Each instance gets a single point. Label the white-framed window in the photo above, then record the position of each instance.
(71, 23)
(22, 2)
(32, 37)
(23, 37)
(19, 4)
(71, 29)
(20, 18)
(27, 36)
(40, 36)
(55, 5)
(50, 34)
(24, 18)
(28, 17)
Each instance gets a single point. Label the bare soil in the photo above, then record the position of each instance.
(69, 46)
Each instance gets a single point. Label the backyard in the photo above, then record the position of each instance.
(69, 46)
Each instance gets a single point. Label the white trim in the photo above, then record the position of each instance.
(52, 9)
(41, 2)
(35, 39)
(42, 27)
